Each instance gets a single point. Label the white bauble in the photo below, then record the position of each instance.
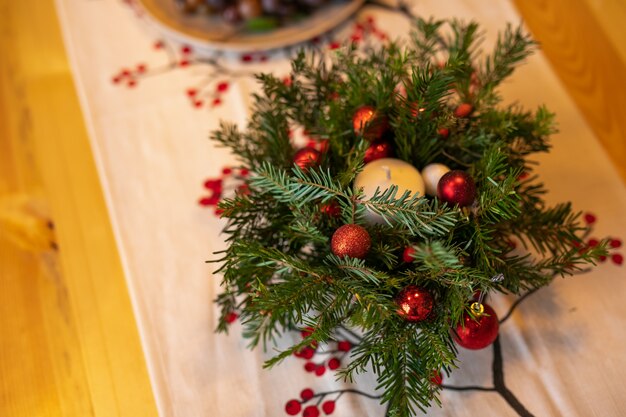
(431, 174)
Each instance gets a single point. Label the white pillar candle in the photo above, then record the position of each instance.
(382, 174)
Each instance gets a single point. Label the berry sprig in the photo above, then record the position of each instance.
(325, 400)
(231, 181)
(337, 353)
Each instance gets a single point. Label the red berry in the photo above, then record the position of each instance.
(306, 332)
(198, 104)
(116, 80)
(141, 68)
(244, 172)
(226, 171)
(617, 258)
(309, 366)
(307, 394)
(231, 317)
(602, 258)
(209, 201)
(183, 62)
(615, 243)
(407, 255)
(333, 45)
(331, 209)
(328, 407)
(215, 185)
(132, 83)
(444, 132)
(293, 407)
(246, 58)
(590, 218)
(222, 87)
(333, 364)
(311, 411)
(216, 102)
(463, 110)
(307, 353)
(344, 346)
(593, 242)
(319, 371)
(437, 378)
(191, 92)
(158, 45)
(186, 49)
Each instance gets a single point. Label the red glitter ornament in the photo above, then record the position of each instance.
(479, 330)
(369, 123)
(415, 304)
(351, 240)
(306, 158)
(377, 150)
(457, 187)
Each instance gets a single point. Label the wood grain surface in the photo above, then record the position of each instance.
(585, 42)
(68, 340)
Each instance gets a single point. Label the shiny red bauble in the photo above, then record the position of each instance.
(306, 158)
(378, 150)
(457, 187)
(479, 331)
(415, 304)
(351, 240)
(367, 121)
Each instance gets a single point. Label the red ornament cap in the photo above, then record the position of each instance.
(478, 331)
(351, 240)
(306, 158)
(457, 187)
(415, 304)
(369, 123)
(378, 150)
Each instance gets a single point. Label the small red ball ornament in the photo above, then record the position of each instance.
(407, 254)
(479, 330)
(306, 158)
(457, 187)
(415, 304)
(351, 240)
(463, 110)
(378, 150)
(369, 123)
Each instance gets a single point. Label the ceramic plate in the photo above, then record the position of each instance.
(211, 32)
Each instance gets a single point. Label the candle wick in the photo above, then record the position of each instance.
(387, 171)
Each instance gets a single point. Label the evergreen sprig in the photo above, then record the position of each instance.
(279, 272)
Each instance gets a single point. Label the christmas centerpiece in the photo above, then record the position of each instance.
(416, 202)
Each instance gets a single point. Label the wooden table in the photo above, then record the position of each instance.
(69, 344)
